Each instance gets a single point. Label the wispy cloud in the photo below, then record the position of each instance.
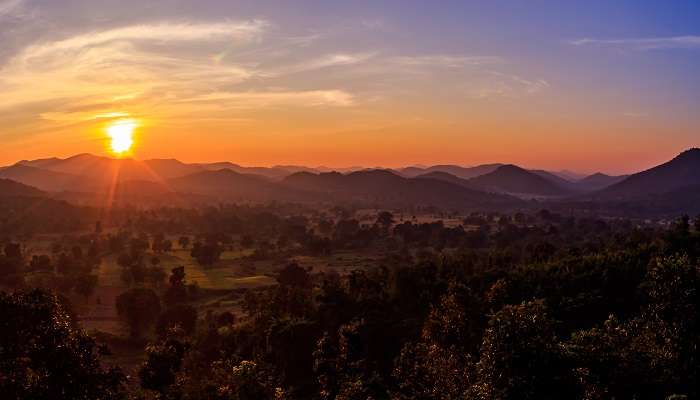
(259, 99)
(162, 32)
(157, 68)
(9, 7)
(507, 86)
(674, 42)
(226, 70)
(449, 61)
(325, 61)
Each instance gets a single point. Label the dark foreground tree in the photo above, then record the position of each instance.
(43, 355)
(163, 362)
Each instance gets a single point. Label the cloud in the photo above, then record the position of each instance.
(155, 67)
(162, 32)
(9, 7)
(119, 65)
(447, 61)
(224, 70)
(675, 42)
(82, 116)
(259, 99)
(325, 61)
(506, 85)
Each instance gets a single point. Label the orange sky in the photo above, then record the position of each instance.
(265, 88)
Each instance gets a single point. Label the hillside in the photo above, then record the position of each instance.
(229, 185)
(37, 177)
(456, 170)
(557, 180)
(385, 187)
(10, 188)
(682, 171)
(513, 179)
(275, 173)
(599, 181)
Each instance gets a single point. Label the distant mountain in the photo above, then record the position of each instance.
(556, 179)
(599, 181)
(387, 188)
(271, 173)
(456, 170)
(229, 185)
(41, 163)
(40, 178)
(569, 175)
(412, 172)
(515, 180)
(681, 172)
(342, 170)
(445, 177)
(10, 188)
(171, 168)
(86, 172)
(97, 171)
(290, 169)
(79, 164)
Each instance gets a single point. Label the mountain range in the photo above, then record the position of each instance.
(90, 178)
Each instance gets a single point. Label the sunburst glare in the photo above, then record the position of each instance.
(121, 133)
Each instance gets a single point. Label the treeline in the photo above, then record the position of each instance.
(618, 323)
(537, 306)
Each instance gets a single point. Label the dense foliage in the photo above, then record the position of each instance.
(521, 306)
(43, 355)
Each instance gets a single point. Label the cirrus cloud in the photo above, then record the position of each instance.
(674, 42)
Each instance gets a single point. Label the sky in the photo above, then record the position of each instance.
(587, 86)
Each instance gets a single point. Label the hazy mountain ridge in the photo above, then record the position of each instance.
(10, 188)
(384, 186)
(43, 179)
(513, 179)
(456, 170)
(94, 178)
(599, 181)
(678, 173)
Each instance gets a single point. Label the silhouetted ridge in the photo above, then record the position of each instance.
(599, 181)
(10, 188)
(385, 187)
(682, 171)
(513, 179)
(456, 170)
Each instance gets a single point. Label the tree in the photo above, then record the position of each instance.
(138, 308)
(44, 355)
(180, 316)
(163, 362)
(385, 219)
(11, 261)
(206, 254)
(428, 371)
(294, 276)
(85, 284)
(519, 356)
(40, 263)
(177, 290)
(247, 241)
(325, 226)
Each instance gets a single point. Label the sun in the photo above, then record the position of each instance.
(121, 133)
